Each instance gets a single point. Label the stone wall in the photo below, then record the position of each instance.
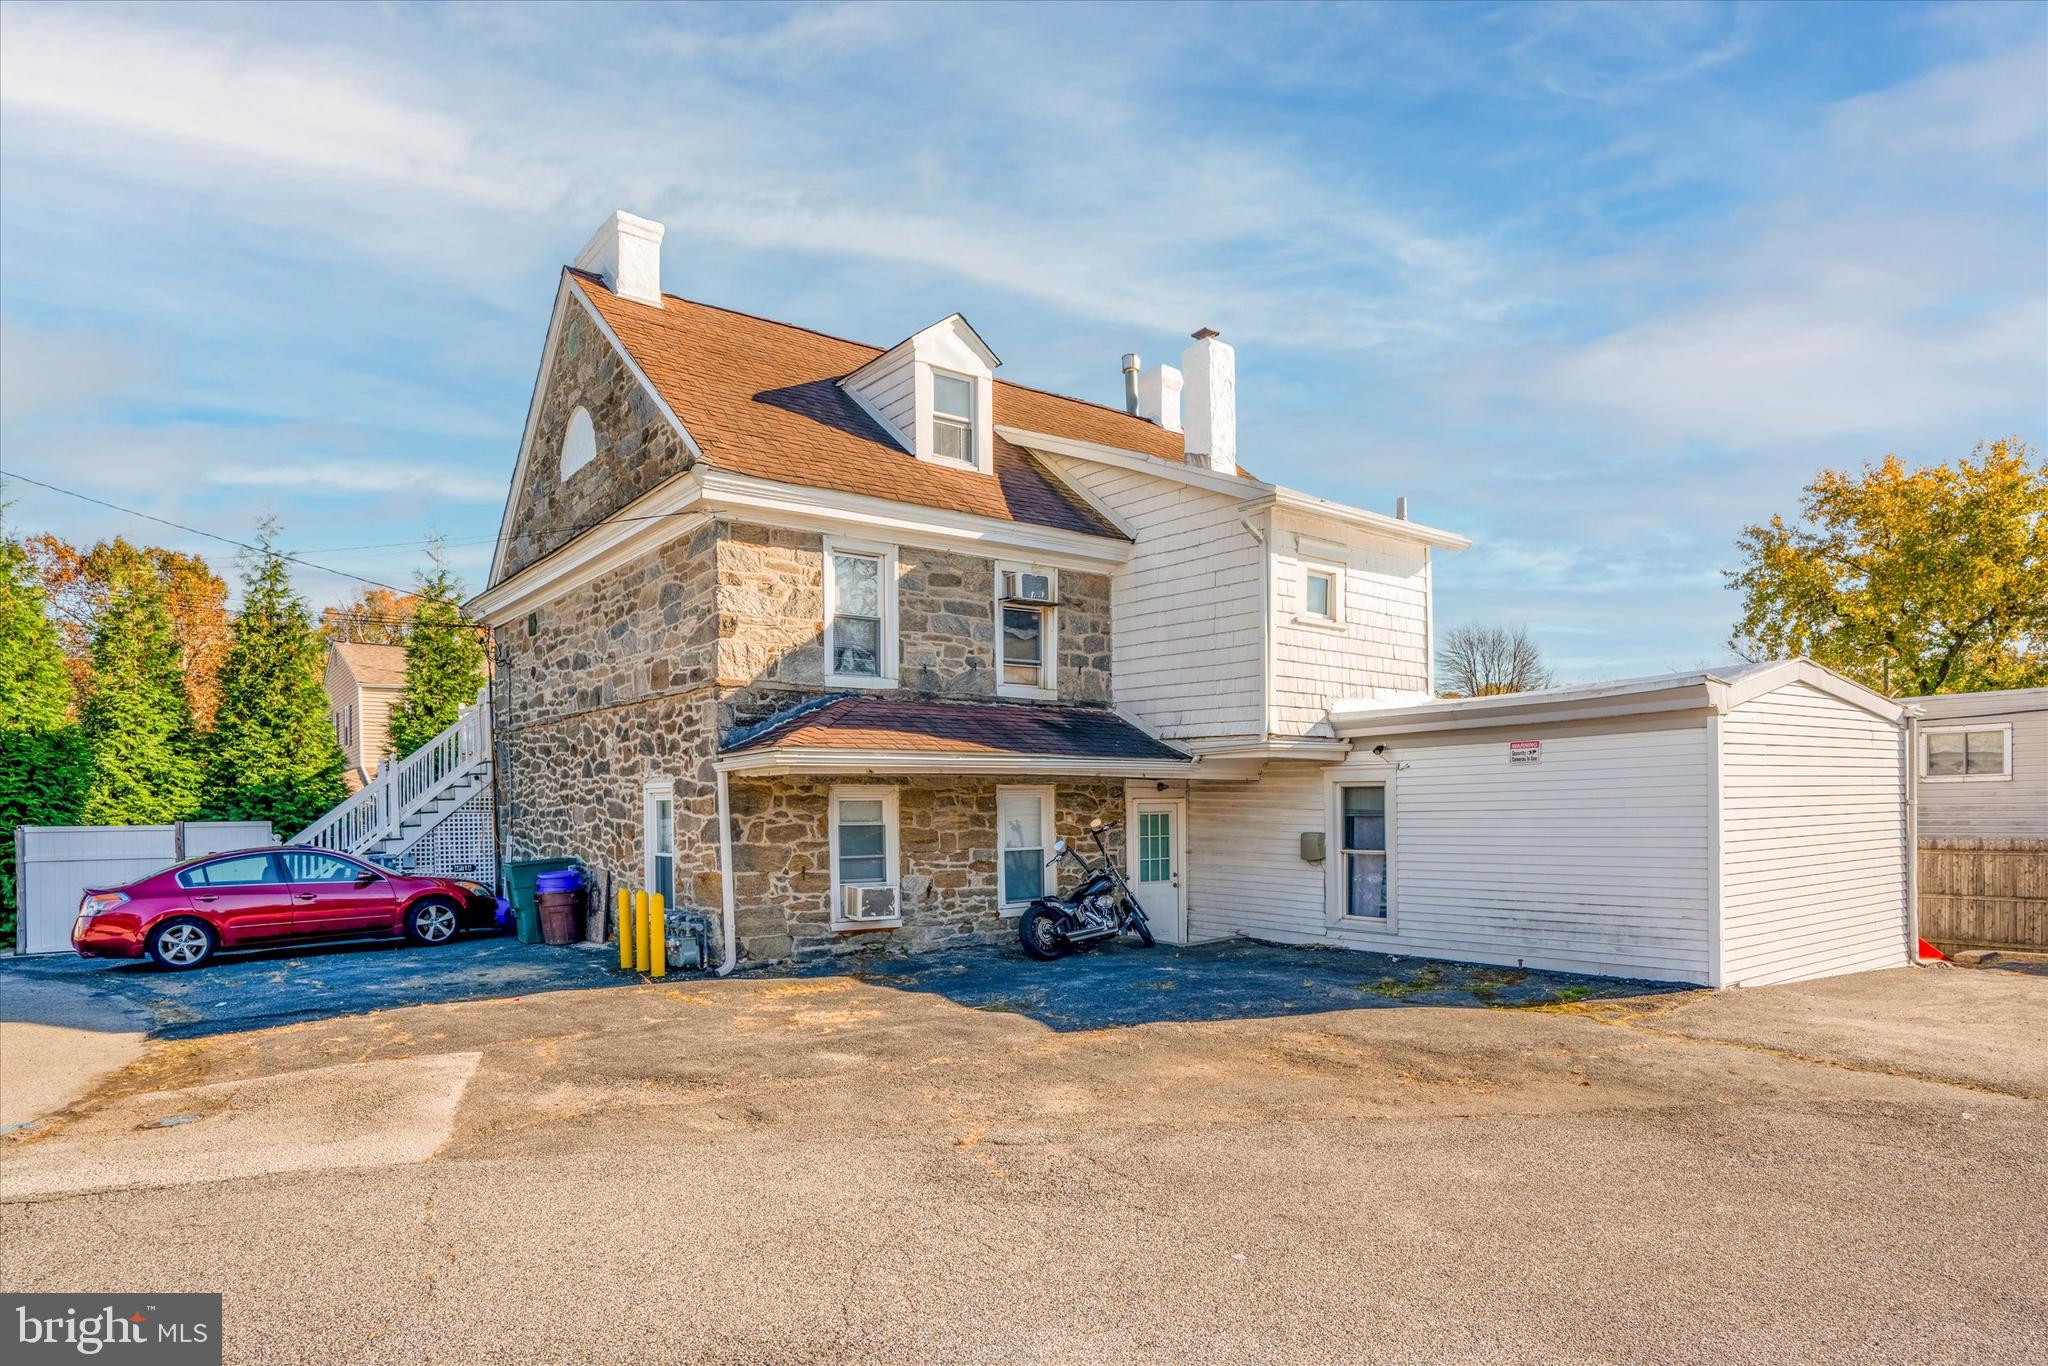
(632, 677)
(637, 448)
(948, 837)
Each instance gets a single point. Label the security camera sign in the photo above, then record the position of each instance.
(1525, 751)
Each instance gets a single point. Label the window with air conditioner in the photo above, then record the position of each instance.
(862, 831)
(860, 615)
(1025, 632)
(953, 417)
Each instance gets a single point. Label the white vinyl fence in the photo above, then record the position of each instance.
(54, 864)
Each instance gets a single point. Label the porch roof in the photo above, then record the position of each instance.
(926, 735)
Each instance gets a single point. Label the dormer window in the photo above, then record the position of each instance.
(953, 417)
(933, 395)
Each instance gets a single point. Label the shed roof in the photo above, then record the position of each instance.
(910, 733)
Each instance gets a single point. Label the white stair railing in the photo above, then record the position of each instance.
(404, 787)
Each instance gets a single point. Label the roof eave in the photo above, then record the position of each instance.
(773, 761)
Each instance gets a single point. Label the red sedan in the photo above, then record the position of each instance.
(250, 898)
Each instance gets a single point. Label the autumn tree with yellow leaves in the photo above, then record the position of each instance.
(1908, 581)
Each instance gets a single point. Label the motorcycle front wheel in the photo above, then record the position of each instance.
(1144, 929)
(1041, 934)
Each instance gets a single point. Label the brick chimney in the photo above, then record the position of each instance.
(1211, 403)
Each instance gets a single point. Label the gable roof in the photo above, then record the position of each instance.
(763, 399)
(374, 666)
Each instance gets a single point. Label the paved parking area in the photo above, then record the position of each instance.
(987, 1159)
(271, 987)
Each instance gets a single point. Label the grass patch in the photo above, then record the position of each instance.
(1564, 995)
(1394, 988)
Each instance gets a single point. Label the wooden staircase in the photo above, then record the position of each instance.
(390, 821)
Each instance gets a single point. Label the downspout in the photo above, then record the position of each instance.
(1265, 625)
(1912, 757)
(725, 889)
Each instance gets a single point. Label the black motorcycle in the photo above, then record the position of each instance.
(1100, 906)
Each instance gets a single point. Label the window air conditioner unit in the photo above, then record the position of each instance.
(869, 903)
(1023, 587)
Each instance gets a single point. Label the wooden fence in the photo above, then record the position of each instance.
(1984, 893)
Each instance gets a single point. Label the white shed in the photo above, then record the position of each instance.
(1730, 827)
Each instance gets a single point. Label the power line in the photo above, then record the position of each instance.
(195, 531)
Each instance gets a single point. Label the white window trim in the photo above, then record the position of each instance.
(661, 789)
(972, 460)
(890, 668)
(1304, 617)
(1333, 855)
(1011, 909)
(2003, 728)
(1049, 691)
(892, 845)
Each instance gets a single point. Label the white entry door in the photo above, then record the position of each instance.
(1156, 866)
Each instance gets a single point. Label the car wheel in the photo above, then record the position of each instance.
(430, 922)
(177, 945)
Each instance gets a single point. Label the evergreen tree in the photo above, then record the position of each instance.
(137, 720)
(42, 755)
(444, 662)
(272, 754)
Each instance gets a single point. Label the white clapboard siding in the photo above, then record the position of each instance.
(1594, 860)
(1813, 876)
(1380, 645)
(373, 725)
(1186, 652)
(2016, 808)
(893, 394)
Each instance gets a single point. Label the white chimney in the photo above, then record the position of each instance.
(626, 254)
(1211, 402)
(1159, 396)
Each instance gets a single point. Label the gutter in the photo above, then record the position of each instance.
(1911, 729)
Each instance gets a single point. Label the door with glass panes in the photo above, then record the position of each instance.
(1152, 846)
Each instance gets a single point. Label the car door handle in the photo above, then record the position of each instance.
(214, 896)
(303, 896)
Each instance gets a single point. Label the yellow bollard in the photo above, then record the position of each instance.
(625, 930)
(657, 933)
(640, 931)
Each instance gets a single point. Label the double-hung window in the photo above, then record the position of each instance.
(1025, 639)
(953, 417)
(1362, 837)
(1024, 825)
(860, 590)
(1966, 754)
(660, 834)
(863, 836)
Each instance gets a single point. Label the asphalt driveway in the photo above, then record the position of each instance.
(994, 1160)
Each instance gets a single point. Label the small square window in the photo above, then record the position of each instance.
(1318, 593)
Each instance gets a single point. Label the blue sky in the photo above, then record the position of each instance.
(1595, 285)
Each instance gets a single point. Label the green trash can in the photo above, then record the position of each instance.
(519, 879)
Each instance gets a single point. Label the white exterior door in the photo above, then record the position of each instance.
(1156, 864)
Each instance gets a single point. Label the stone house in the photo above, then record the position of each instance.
(831, 641)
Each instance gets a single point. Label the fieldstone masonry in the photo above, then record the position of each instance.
(637, 447)
(632, 677)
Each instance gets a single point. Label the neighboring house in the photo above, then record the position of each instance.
(364, 683)
(831, 641)
(1982, 763)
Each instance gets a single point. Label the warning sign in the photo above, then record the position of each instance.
(1525, 751)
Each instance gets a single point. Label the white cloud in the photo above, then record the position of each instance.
(355, 477)
(263, 102)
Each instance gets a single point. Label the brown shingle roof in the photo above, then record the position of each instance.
(762, 399)
(374, 666)
(925, 725)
